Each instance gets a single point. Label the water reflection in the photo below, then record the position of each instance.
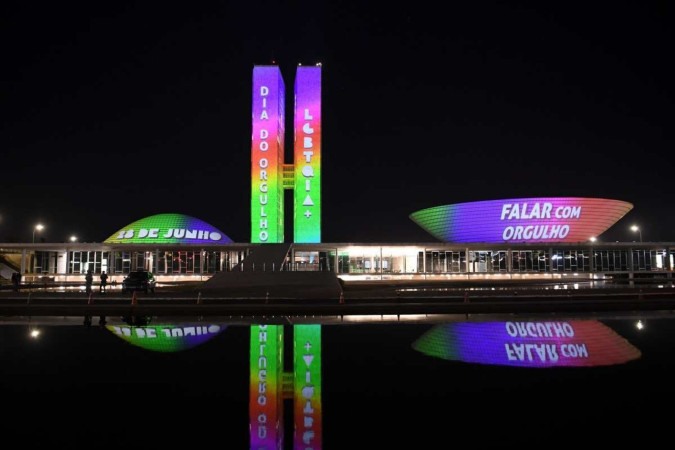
(536, 344)
(315, 386)
(270, 385)
(166, 337)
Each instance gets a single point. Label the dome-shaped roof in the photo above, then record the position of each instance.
(168, 229)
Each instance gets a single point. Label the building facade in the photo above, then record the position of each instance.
(510, 239)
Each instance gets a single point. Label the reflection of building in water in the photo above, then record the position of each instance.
(574, 343)
(270, 385)
(167, 338)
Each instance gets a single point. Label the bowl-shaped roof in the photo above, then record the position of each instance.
(544, 219)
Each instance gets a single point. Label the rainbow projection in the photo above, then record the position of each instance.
(168, 229)
(267, 155)
(167, 338)
(307, 387)
(536, 344)
(307, 156)
(266, 429)
(546, 219)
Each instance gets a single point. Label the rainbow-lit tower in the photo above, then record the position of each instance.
(270, 384)
(270, 176)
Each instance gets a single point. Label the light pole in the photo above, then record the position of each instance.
(38, 227)
(636, 228)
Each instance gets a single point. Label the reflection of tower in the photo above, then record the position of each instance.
(270, 386)
(307, 386)
(270, 176)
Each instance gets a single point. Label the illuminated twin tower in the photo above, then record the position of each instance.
(270, 175)
(270, 384)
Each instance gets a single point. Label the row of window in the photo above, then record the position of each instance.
(541, 261)
(484, 261)
(164, 262)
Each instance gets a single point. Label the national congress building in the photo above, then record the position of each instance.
(504, 239)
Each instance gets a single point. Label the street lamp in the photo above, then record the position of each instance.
(593, 239)
(73, 238)
(636, 228)
(38, 227)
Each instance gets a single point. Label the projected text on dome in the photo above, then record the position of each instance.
(547, 219)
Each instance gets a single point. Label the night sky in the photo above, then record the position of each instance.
(112, 112)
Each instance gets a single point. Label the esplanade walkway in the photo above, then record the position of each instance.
(279, 294)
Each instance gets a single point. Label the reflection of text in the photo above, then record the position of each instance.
(308, 396)
(544, 352)
(169, 332)
(262, 381)
(539, 329)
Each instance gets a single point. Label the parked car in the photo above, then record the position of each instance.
(139, 280)
(137, 321)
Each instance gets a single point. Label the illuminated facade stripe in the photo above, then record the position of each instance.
(545, 219)
(266, 429)
(307, 156)
(536, 344)
(267, 155)
(307, 387)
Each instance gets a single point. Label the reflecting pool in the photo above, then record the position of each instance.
(365, 384)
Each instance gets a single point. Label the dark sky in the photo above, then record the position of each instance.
(114, 111)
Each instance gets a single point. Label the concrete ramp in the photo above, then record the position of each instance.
(6, 271)
(288, 285)
(266, 258)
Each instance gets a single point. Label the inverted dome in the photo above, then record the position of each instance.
(168, 229)
(545, 219)
(167, 338)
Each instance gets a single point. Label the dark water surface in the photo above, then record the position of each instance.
(373, 385)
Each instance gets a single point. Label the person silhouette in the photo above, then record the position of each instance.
(104, 281)
(16, 281)
(89, 280)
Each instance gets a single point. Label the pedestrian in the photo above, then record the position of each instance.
(89, 280)
(104, 281)
(16, 281)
